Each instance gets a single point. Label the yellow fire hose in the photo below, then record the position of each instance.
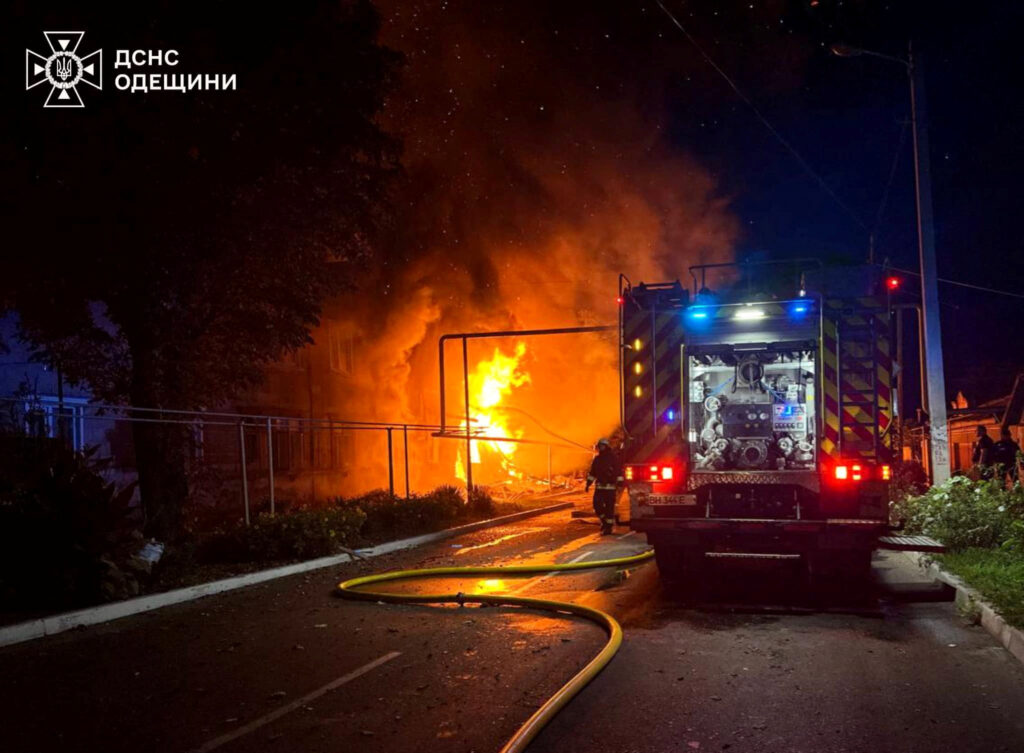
(532, 727)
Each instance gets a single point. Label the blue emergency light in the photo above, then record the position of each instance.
(799, 309)
(699, 314)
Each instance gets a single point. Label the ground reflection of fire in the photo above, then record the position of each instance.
(490, 586)
(489, 384)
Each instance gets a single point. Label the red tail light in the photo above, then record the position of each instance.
(861, 472)
(653, 474)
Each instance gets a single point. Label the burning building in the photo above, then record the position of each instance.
(532, 178)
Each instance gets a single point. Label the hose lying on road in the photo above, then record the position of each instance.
(529, 730)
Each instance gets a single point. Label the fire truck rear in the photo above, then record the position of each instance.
(758, 423)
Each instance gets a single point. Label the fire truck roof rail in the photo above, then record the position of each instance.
(658, 295)
(703, 268)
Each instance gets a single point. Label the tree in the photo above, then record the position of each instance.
(199, 231)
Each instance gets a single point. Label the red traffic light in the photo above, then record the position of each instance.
(893, 283)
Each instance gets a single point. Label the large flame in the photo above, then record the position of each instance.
(489, 384)
(587, 183)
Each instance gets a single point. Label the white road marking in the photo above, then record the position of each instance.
(541, 578)
(278, 713)
(499, 540)
(626, 535)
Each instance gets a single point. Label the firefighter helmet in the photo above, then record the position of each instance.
(602, 442)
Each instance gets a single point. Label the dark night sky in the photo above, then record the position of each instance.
(844, 115)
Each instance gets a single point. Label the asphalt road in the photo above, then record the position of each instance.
(749, 662)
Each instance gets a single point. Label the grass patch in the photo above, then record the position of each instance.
(997, 575)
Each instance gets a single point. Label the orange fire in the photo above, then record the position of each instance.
(489, 384)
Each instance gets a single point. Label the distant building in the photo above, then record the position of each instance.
(31, 393)
(309, 399)
(1005, 411)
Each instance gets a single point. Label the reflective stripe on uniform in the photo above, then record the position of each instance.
(606, 486)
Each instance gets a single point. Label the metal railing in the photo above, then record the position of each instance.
(465, 433)
(261, 459)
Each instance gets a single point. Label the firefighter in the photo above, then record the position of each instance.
(982, 455)
(606, 475)
(1004, 455)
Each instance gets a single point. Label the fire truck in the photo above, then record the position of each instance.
(758, 418)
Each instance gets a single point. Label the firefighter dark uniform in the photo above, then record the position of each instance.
(1004, 455)
(606, 475)
(982, 455)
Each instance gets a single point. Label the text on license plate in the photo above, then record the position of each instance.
(671, 499)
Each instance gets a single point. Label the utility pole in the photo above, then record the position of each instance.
(939, 430)
(932, 332)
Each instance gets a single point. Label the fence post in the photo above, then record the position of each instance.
(270, 461)
(391, 466)
(469, 442)
(549, 467)
(245, 478)
(405, 449)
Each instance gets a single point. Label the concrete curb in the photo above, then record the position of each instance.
(59, 623)
(1010, 637)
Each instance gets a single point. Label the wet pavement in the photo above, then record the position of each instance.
(747, 661)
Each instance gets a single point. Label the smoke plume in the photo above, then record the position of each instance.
(538, 167)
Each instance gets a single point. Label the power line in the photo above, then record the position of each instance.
(888, 184)
(960, 284)
(781, 139)
(542, 427)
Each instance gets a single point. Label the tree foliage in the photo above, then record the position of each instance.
(174, 244)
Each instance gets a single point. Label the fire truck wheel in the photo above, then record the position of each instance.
(676, 562)
(839, 566)
(670, 562)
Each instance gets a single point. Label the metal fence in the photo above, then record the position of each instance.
(241, 464)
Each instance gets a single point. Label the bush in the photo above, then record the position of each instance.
(962, 513)
(379, 508)
(387, 514)
(302, 534)
(908, 480)
(317, 532)
(480, 503)
(67, 535)
(1015, 540)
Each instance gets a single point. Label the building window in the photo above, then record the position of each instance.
(342, 350)
(45, 417)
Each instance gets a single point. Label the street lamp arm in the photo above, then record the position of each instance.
(848, 51)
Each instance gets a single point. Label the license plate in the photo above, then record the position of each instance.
(671, 499)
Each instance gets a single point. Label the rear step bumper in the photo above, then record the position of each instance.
(911, 544)
(750, 556)
(865, 526)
